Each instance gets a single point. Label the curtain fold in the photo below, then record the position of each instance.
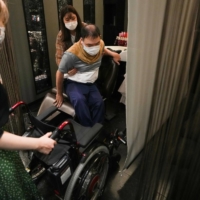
(144, 29)
(165, 104)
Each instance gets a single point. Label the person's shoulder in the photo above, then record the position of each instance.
(69, 58)
(102, 42)
(69, 54)
(59, 34)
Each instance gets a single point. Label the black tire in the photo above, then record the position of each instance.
(89, 178)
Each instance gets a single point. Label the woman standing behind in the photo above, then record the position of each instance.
(70, 25)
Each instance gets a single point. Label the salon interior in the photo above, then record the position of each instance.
(154, 105)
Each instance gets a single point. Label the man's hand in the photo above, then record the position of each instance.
(46, 144)
(59, 85)
(59, 100)
(116, 58)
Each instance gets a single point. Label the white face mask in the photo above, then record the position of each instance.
(94, 50)
(71, 25)
(2, 34)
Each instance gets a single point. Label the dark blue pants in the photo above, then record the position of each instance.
(87, 102)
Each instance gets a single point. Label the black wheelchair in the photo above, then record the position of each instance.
(78, 166)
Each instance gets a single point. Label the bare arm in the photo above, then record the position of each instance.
(116, 56)
(59, 53)
(59, 49)
(59, 86)
(43, 144)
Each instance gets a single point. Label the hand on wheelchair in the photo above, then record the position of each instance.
(59, 100)
(46, 144)
(64, 134)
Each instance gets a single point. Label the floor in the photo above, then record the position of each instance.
(120, 183)
(118, 186)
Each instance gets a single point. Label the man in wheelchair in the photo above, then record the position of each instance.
(85, 56)
(78, 166)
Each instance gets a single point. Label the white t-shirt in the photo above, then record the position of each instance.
(86, 73)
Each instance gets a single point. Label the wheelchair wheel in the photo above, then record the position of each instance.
(88, 180)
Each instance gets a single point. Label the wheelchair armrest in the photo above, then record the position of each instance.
(49, 111)
(54, 91)
(117, 51)
(49, 100)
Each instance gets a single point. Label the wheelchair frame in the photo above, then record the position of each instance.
(81, 172)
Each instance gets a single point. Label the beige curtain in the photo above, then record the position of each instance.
(10, 81)
(145, 20)
(159, 49)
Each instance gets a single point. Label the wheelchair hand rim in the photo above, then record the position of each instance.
(85, 173)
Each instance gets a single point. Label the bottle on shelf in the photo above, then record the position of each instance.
(121, 39)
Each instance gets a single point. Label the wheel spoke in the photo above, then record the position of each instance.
(89, 186)
(89, 178)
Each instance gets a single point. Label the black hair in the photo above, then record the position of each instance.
(90, 30)
(66, 36)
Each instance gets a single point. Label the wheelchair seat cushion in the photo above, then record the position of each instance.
(85, 135)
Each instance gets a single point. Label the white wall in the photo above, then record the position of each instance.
(78, 4)
(52, 28)
(99, 15)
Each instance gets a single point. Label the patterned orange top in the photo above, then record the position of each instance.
(60, 48)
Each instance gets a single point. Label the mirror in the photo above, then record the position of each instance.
(61, 3)
(37, 39)
(89, 11)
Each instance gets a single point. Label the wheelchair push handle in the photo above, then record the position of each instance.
(54, 134)
(57, 131)
(11, 110)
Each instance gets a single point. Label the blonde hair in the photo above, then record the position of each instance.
(4, 14)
